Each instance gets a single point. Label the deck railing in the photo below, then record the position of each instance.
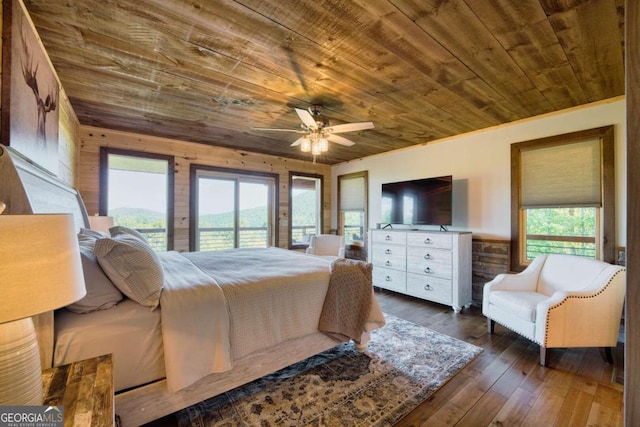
(572, 245)
(219, 238)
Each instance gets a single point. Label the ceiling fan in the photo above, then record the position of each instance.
(317, 133)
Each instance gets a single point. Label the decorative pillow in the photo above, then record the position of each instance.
(120, 229)
(101, 292)
(90, 236)
(132, 266)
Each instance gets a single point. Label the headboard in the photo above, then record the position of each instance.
(26, 188)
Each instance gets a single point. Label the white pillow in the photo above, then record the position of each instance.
(132, 266)
(101, 292)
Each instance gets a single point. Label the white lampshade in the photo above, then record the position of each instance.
(315, 148)
(101, 223)
(41, 267)
(324, 144)
(40, 270)
(305, 145)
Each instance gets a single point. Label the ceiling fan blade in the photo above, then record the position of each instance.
(307, 118)
(281, 130)
(340, 140)
(349, 127)
(297, 142)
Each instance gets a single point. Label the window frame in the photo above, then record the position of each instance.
(606, 244)
(293, 174)
(365, 176)
(193, 195)
(103, 207)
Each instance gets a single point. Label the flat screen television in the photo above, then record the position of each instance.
(418, 202)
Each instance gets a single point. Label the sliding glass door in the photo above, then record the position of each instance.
(233, 210)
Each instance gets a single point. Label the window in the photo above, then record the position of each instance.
(231, 209)
(136, 189)
(305, 208)
(563, 197)
(352, 207)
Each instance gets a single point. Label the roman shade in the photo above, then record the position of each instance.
(353, 193)
(562, 175)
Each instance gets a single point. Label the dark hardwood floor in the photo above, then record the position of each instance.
(505, 385)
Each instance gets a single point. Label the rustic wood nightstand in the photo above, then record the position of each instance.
(84, 388)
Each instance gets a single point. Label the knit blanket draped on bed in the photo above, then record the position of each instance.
(347, 305)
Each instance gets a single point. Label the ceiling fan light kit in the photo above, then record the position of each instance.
(318, 133)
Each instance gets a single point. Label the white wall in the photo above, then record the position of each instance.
(480, 165)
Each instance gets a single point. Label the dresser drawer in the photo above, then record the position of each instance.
(389, 256)
(393, 237)
(394, 280)
(433, 262)
(430, 288)
(430, 240)
(431, 268)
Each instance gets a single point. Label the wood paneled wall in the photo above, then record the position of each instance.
(489, 257)
(68, 142)
(185, 154)
(632, 315)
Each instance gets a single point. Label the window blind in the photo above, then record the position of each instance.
(352, 193)
(562, 176)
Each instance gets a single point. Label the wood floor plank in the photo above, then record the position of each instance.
(545, 410)
(575, 408)
(515, 409)
(484, 411)
(448, 415)
(604, 417)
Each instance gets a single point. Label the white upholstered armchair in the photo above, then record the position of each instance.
(326, 245)
(559, 301)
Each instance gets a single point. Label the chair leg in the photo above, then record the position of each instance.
(491, 325)
(544, 356)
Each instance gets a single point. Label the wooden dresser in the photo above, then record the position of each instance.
(431, 265)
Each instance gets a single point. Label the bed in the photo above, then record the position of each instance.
(219, 319)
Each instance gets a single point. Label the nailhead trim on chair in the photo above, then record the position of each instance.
(546, 327)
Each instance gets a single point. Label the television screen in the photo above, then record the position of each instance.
(419, 202)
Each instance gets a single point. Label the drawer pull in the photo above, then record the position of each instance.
(388, 279)
(427, 287)
(427, 241)
(428, 270)
(387, 251)
(387, 263)
(427, 256)
(387, 238)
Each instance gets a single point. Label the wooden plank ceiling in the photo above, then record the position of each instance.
(209, 71)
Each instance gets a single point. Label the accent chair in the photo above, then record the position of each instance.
(326, 245)
(559, 301)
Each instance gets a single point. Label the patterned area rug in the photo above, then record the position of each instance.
(404, 364)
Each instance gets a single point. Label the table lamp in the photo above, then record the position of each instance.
(40, 271)
(101, 223)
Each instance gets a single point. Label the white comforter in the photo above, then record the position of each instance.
(220, 306)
